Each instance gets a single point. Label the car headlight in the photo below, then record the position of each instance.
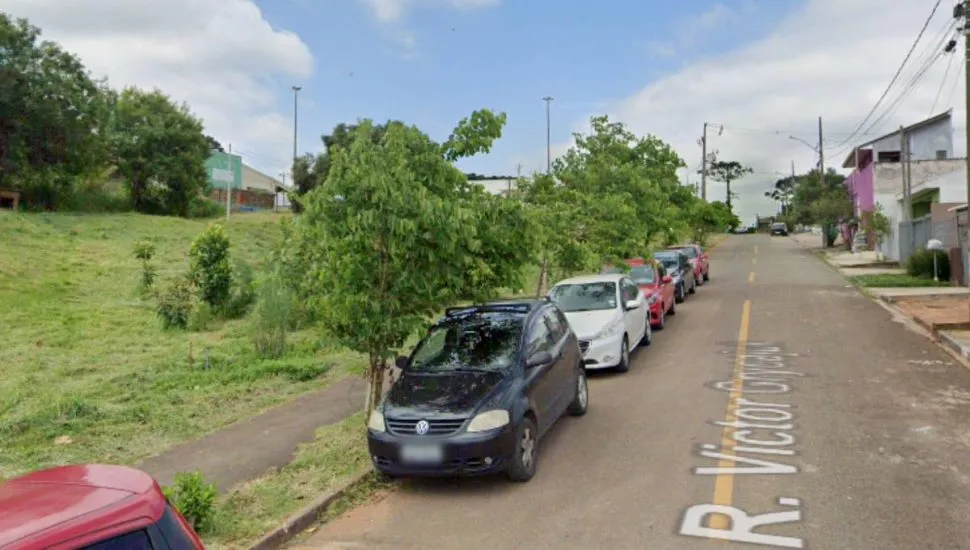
(652, 299)
(376, 422)
(489, 420)
(613, 328)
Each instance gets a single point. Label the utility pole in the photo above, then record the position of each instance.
(276, 196)
(548, 100)
(704, 164)
(296, 92)
(821, 154)
(907, 206)
(232, 179)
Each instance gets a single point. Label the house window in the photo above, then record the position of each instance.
(888, 156)
(941, 154)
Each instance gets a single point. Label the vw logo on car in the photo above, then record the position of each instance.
(422, 427)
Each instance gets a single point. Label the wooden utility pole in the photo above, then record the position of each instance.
(903, 153)
(704, 163)
(821, 154)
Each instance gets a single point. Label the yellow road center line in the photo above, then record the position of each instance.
(724, 483)
(751, 277)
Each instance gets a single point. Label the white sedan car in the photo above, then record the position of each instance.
(609, 315)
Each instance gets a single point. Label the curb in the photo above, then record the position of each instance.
(310, 514)
(955, 346)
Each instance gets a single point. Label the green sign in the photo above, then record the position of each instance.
(222, 168)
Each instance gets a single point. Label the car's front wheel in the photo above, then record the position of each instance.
(624, 364)
(680, 295)
(581, 399)
(707, 276)
(522, 464)
(693, 286)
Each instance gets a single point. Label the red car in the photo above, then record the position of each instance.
(91, 507)
(699, 259)
(656, 285)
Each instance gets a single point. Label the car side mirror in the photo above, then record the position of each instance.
(667, 279)
(632, 304)
(539, 359)
(401, 362)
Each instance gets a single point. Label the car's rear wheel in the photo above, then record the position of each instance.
(707, 276)
(693, 287)
(673, 307)
(624, 364)
(522, 464)
(647, 332)
(679, 294)
(663, 316)
(581, 400)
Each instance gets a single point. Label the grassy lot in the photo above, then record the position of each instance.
(253, 509)
(890, 280)
(84, 360)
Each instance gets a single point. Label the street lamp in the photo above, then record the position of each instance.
(296, 91)
(934, 245)
(810, 146)
(548, 100)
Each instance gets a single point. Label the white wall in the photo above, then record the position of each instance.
(923, 143)
(254, 179)
(888, 176)
(892, 208)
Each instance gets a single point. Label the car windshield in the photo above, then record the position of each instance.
(641, 274)
(669, 260)
(484, 341)
(585, 296)
(778, 225)
(689, 250)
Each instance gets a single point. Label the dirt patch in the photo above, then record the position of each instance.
(936, 311)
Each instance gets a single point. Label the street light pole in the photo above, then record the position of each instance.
(548, 100)
(296, 92)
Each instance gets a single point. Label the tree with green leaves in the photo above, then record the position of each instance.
(161, 151)
(824, 204)
(706, 218)
(727, 172)
(400, 234)
(626, 187)
(51, 117)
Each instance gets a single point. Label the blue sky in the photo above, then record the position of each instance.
(586, 55)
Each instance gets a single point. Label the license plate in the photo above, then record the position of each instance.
(422, 454)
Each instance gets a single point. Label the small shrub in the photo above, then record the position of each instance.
(145, 251)
(210, 267)
(176, 303)
(202, 208)
(272, 317)
(193, 498)
(920, 264)
(243, 293)
(200, 318)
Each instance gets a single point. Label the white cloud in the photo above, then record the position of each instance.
(389, 11)
(219, 56)
(691, 29)
(831, 58)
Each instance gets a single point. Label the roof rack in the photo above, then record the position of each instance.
(513, 307)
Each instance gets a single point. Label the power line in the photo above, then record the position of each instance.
(895, 76)
(956, 84)
(946, 75)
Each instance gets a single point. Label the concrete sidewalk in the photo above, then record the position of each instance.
(251, 447)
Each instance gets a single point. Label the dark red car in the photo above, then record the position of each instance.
(90, 507)
(656, 285)
(698, 259)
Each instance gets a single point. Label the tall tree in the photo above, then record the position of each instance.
(626, 185)
(214, 144)
(824, 204)
(727, 172)
(51, 116)
(161, 151)
(399, 234)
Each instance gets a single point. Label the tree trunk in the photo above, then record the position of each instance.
(375, 386)
(543, 276)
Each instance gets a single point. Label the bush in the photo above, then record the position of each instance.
(243, 294)
(273, 316)
(193, 498)
(200, 317)
(145, 251)
(203, 207)
(210, 267)
(920, 264)
(176, 303)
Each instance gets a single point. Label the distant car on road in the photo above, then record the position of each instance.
(681, 270)
(478, 392)
(779, 228)
(698, 259)
(91, 507)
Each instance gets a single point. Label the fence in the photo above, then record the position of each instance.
(913, 236)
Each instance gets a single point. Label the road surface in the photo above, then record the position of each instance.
(852, 432)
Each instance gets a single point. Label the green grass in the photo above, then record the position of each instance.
(250, 511)
(891, 280)
(84, 356)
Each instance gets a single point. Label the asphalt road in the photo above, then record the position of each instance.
(864, 444)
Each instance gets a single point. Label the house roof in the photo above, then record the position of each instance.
(850, 157)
